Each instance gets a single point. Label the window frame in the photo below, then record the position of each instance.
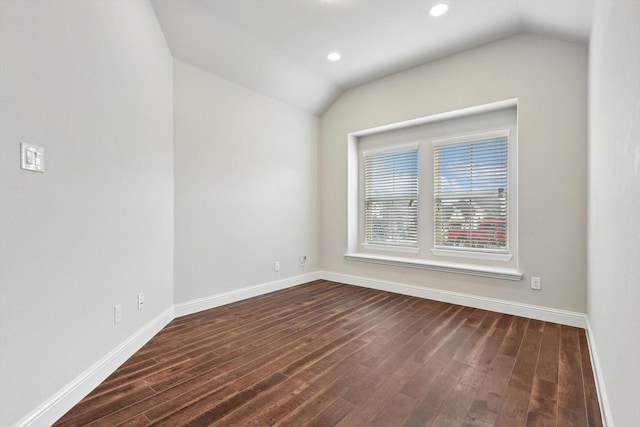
(474, 252)
(376, 245)
(442, 261)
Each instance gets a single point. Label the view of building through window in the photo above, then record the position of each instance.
(391, 198)
(470, 194)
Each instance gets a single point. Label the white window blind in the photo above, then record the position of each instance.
(471, 193)
(391, 198)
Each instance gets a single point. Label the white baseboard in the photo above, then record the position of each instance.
(605, 409)
(201, 304)
(546, 314)
(58, 404)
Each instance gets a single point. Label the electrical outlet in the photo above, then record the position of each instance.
(302, 260)
(140, 301)
(117, 314)
(535, 283)
(276, 266)
(31, 157)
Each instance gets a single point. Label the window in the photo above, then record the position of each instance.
(464, 217)
(470, 195)
(391, 198)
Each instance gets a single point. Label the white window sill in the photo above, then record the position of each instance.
(448, 267)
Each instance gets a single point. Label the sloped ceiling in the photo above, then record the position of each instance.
(280, 47)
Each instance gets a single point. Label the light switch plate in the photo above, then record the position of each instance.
(31, 157)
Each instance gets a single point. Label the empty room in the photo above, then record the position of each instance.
(319, 213)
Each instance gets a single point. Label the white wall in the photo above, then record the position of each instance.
(91, 82)
(614, 204)
(549, 78)
(245, 186)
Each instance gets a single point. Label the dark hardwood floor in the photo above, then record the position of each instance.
(326, 354)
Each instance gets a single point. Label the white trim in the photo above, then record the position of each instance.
(546, 314)
(353, 196)
(448, 267)
(58, 404)
(484, 108)
(212, 301)
(462, 253)
(605, 408)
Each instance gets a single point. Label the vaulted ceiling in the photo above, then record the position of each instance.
(280, 47)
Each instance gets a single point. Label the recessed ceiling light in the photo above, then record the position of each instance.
(439, 9)
(334, 56)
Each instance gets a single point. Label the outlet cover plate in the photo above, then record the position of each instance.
(117, 314)
(140, 301)
(536, 283)
(31, 157)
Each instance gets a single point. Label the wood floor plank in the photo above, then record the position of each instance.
(118, 381)
(400, 329)
(332, 415)
(325, 354)
(395, 412)
(286, 394)
(138, 421)
(458, 401)
(429, 405)
(88, 411)
(255, 405)
(492, 394)
(228, 339)
(345, 368)
(543, 400)
(318, 344)
(515, 406)
(543, 403)
(298, 399)
(594, 416)
(408, 371)
(188, 391)
(571, 399)
(255, 355)
(226, 406)
(332, 368)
